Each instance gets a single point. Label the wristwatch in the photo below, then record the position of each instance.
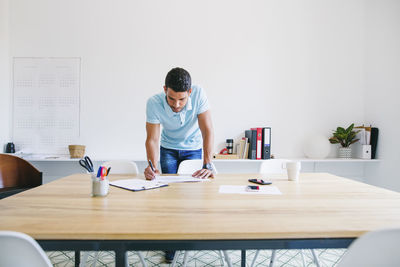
(208, 166)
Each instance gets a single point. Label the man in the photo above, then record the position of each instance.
(184, 113)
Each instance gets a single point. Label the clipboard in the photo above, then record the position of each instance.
(137, 184)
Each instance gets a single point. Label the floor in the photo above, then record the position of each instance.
(287, 258)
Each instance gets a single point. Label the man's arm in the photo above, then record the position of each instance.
(152, 149)
(207, 131)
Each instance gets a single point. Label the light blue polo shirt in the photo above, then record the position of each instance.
(180, 130)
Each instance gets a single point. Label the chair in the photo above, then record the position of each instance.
(119, 167)
(189, 167)
(376, 248)
(275, 166)
(17, 175)
(122, 167)
(18, 249)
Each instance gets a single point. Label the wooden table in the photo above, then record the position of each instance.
(319, 211)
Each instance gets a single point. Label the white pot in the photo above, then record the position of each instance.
(345, 152)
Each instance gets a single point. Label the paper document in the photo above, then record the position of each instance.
(137, 184)
(178, 179)
(241, 189)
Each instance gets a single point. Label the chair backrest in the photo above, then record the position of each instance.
(17, 174)
(18, 249)
(273, 166)
(122, 167)
(192, 165)
(376, 248)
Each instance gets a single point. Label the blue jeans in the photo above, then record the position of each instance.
(171, 158)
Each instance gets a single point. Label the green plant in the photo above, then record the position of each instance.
(345, 137)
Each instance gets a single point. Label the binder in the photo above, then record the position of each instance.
(253, 144)
(258, 142)
(266, 143)
(374, 141)
(248, 135)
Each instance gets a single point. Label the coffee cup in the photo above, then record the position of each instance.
(293, 170)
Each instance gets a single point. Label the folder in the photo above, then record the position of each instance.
(253, 142)
(258, 142)
(374, 141)
(266, 143)
(137, 184)
(247, 134)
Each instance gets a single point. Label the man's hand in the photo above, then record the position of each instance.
(203, 174)
(149, 174)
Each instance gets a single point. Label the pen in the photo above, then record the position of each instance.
(151, 166)
(108, 171)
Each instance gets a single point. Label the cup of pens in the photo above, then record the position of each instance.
(100, 183)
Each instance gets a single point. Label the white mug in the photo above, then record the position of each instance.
(293, 170)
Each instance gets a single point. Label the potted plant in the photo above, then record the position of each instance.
(344, 137)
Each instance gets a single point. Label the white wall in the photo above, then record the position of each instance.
(382, 80)
(293, 65)
(5, 92)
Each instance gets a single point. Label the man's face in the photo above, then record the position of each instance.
(177, 100)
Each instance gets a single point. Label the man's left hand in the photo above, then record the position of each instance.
(203, 174)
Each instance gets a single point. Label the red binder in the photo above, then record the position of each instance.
(259, 142)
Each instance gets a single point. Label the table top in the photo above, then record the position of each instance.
(319, 205)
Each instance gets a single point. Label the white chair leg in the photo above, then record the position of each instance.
(302, 258)
(227, 258)
(221, 257)
(141, 258)
(96, 257)
(126, 259)
(176, 256)
(255, 258)
(185, 258)
(272, 260)
(316, 260)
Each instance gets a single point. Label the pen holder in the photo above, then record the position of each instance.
(99, 187)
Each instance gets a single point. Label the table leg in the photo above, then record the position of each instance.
(120, 259)
(243, 263)
(77, 258)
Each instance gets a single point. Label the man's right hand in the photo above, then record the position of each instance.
(149, 174)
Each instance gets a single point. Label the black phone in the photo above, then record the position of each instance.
(259, 181)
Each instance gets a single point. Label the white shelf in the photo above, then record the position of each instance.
(305, 160)
(337, 160)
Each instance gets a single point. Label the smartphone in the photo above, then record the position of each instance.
(252, 188)
(259, 181)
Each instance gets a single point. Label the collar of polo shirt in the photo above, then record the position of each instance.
(169, 111)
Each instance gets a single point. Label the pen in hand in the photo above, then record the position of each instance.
(152, 167)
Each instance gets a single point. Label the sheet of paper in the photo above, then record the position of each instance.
(241, 189)
(178, 179)
(137, 184)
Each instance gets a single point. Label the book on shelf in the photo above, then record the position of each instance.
(242, 145)
(226, 156)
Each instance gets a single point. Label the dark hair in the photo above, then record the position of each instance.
(178, 80)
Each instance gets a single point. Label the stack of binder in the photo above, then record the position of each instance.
(259, 142)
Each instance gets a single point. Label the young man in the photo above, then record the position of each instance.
(183, 111)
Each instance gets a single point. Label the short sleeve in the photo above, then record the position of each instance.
(151, 111)
(203, 102)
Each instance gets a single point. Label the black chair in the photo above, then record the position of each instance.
(17, 175)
